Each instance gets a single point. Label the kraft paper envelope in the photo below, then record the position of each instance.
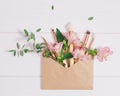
(78, 76)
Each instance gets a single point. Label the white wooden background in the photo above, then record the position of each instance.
(21, 76)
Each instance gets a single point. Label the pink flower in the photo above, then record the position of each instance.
(72, 37)
(79, 54)
(103, 53)
(56, 47)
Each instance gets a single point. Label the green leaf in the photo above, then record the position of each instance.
(11, 50)
(52, 7)
(21, 53)
(67, 56)
(88, 50)
(59, 35)
(23, 46)
(38, 51)
(14, 53)
(38, 30)
(26, 32)
(90, 18)
(38, 46)
(28, 39)
(33, 36)
(26, 50)
(65, 45)
(42, 44)
(92, 52)
(18, 45)
(47, 53)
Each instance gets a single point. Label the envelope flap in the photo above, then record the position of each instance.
(51, 67)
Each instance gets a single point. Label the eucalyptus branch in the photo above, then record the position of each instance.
(30, 38)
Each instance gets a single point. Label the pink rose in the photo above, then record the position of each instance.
(79, 54)
(56, 47)
(72, 37)
(103, 53)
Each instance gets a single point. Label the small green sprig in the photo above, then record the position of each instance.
(47, 53)
(29, 35)
(38, 30)
(52, 7)
(92, 52)
(36, 47)
(19, 50)
(13, 51)
(90, 18)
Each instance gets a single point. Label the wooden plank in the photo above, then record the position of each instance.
(20, 14)
(31, 86)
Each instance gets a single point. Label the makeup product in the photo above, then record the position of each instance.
(45, 42)
(69, 27)
(92, 40)
(54, 34)
(48, 47)
(71, 60)
(86, 38)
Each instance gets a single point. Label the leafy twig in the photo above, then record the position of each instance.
(52, 7)
(36, 47)
(92, 52)
(90, 18)
(38, 30)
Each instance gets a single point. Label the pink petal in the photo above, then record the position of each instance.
(72, 37)
(103, 53)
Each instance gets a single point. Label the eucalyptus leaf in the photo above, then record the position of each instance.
(21, 53)
(33, 36)
(42, 44)
(26, 50)
(18, 45)
(14, 53)
(38, 30)
(52, 7)
(47, 53)
(23, 46)
(38, 46)
(11, 50)
(28, 39)
(38, 51)
(90, 18)
(26, 32)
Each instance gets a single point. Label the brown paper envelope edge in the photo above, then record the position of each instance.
(78, 76)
